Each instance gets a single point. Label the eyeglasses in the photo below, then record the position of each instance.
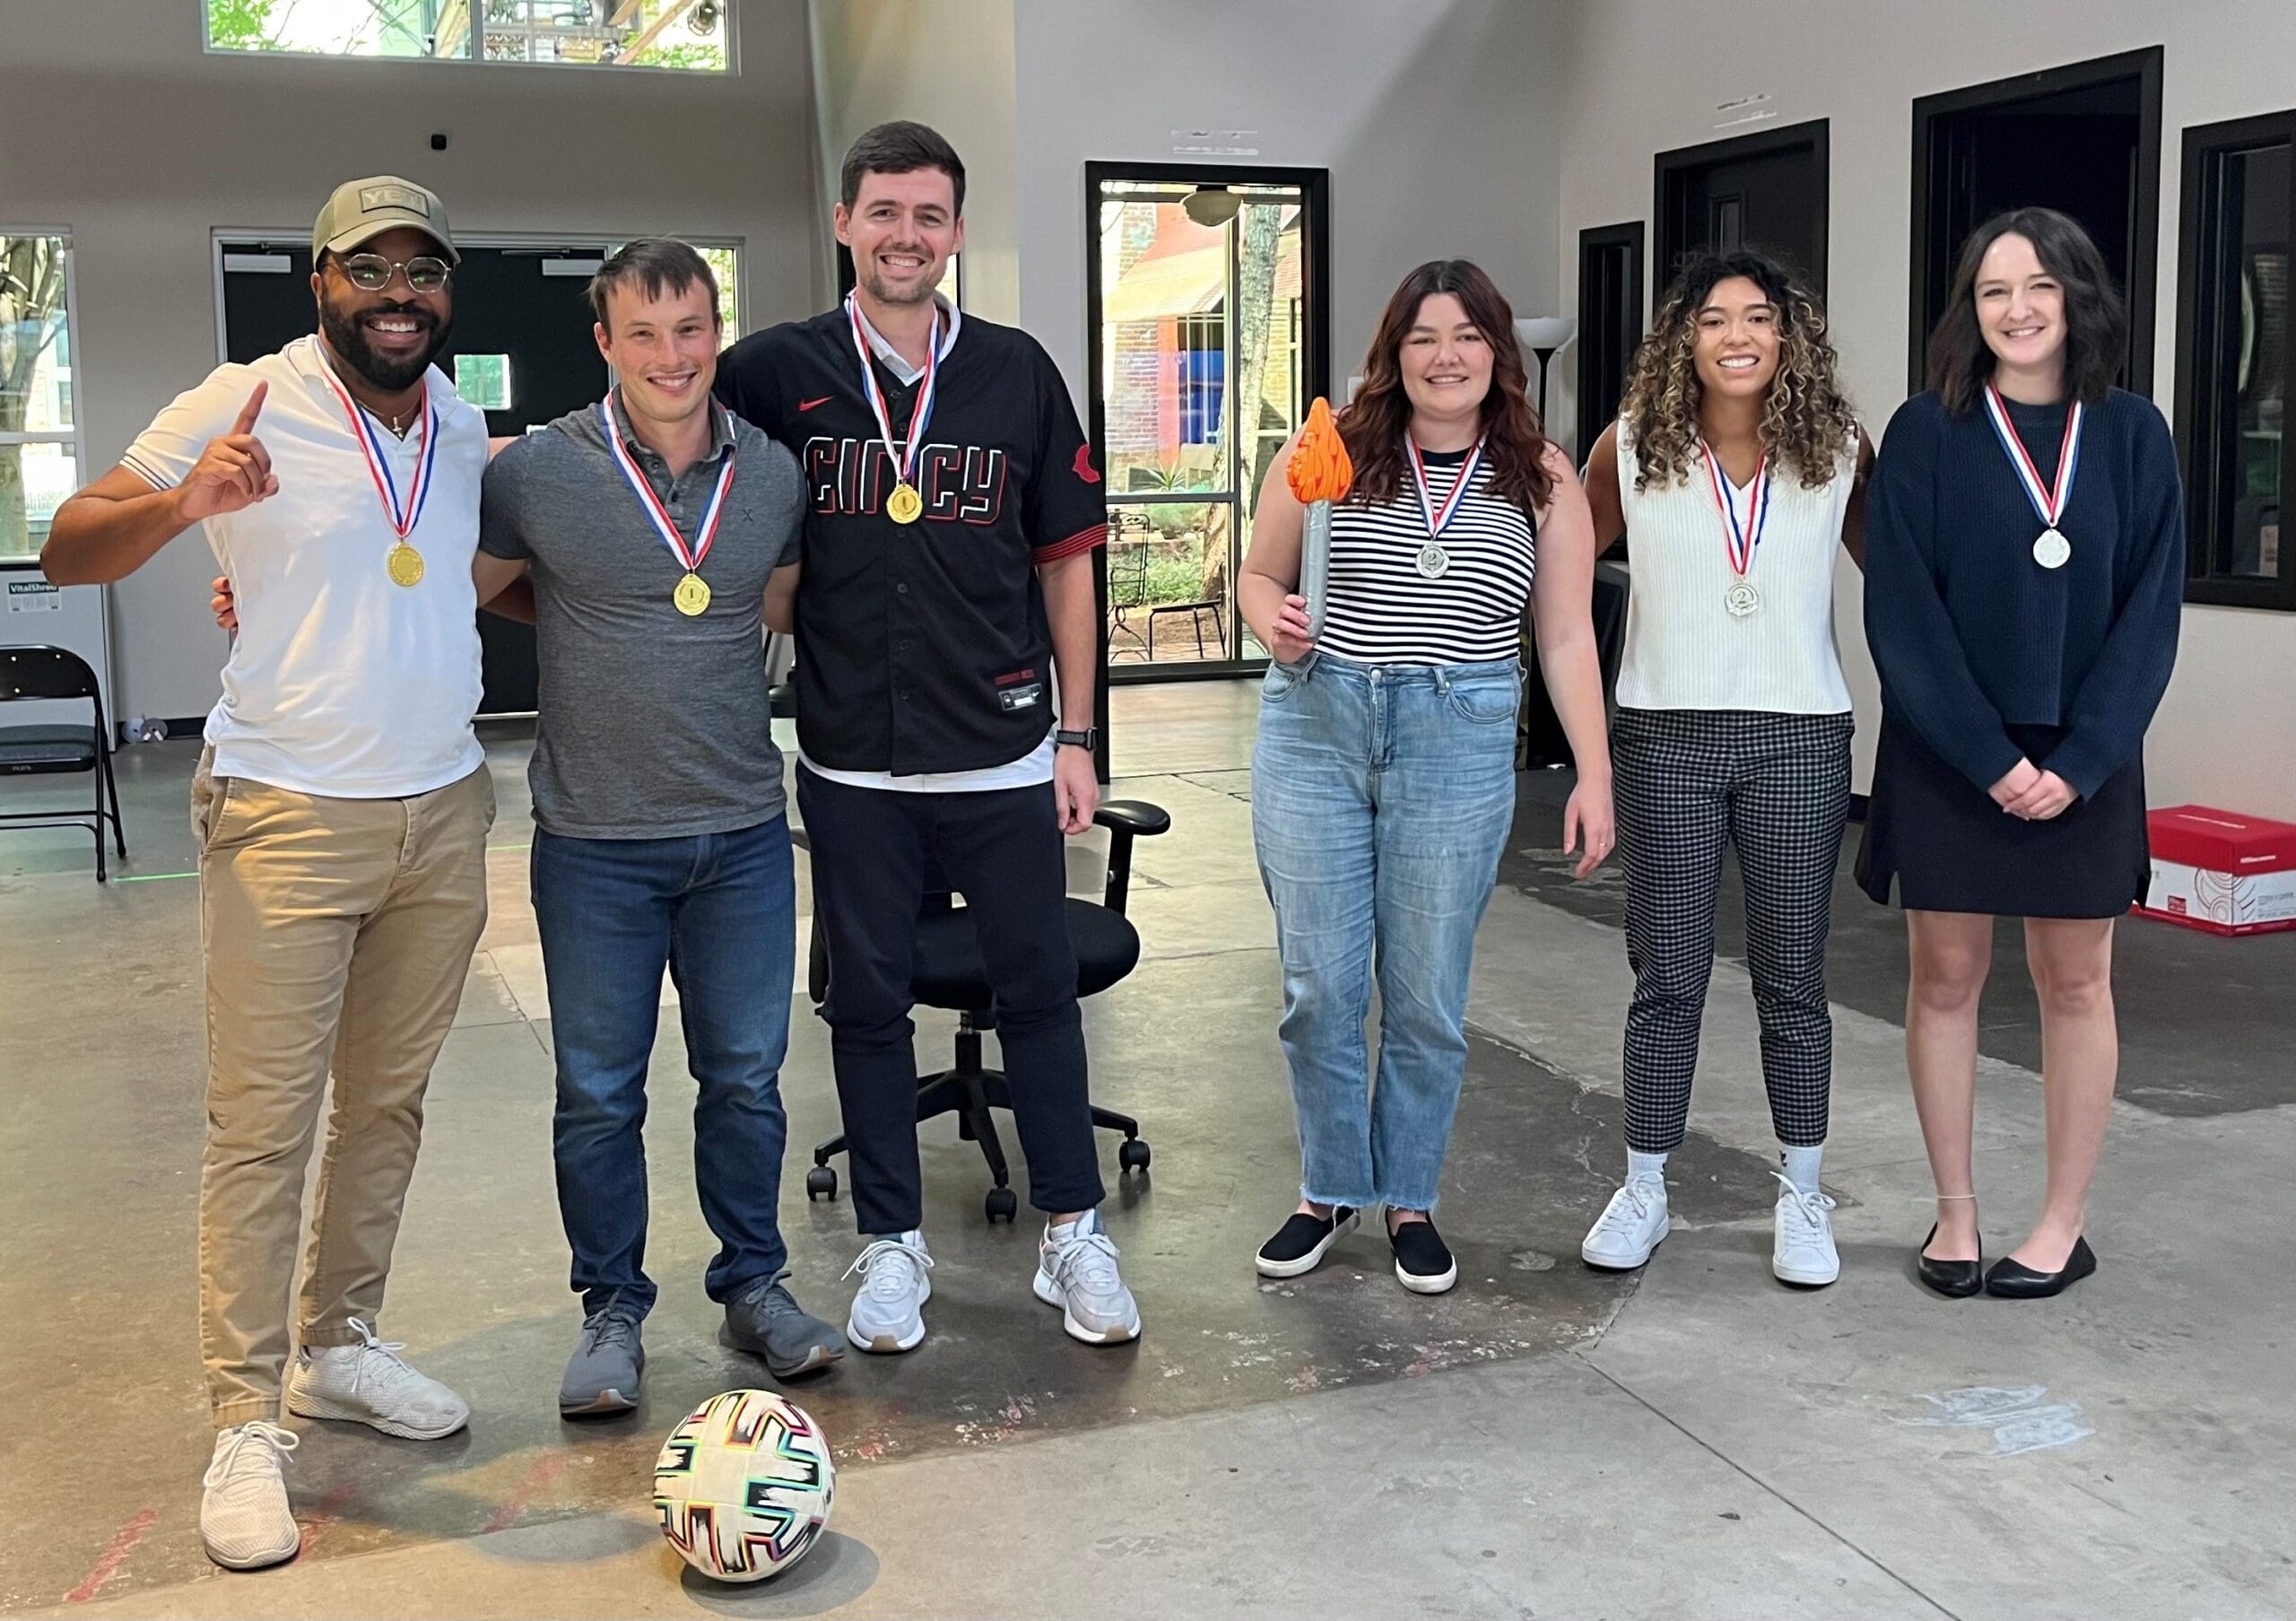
(371, 272)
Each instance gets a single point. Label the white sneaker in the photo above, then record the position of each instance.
(1631, 1226)
(1804, 1252)
(888, 1310)
(1077, 1271)
(367, 1383)
(243, 1514)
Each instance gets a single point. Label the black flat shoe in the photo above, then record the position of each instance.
(2011, 1281)
(1301, 1243)
(1423, 1263)
(1957, 1280)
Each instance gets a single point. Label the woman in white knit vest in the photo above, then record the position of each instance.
(1737, 471)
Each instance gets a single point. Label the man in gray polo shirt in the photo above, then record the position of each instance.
(655, 527)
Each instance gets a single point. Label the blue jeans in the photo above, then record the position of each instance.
(720, 909)
(1381, 799)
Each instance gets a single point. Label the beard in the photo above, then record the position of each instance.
(346, 334)
(884, 293)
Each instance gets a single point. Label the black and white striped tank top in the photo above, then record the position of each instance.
(1382, 609)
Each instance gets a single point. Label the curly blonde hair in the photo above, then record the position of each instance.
(1806, 423)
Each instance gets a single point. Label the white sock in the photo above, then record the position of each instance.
(1802, 1166)
(1645, 1167)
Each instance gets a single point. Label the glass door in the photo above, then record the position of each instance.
(1206, 307)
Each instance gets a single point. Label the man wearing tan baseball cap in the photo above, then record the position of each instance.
(361, 210)
(340, 809)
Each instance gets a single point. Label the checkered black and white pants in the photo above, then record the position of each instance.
(1776, 789)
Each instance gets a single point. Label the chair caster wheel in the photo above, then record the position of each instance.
(1134, 1155)
(1003, 1204)
(820, 1182)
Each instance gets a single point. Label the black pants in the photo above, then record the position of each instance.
(1777, 788)
(875, 853)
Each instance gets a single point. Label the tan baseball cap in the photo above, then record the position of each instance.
(361, 210)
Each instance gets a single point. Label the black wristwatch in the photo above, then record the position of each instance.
(1089, 739)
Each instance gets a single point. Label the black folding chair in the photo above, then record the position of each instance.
(28, 673)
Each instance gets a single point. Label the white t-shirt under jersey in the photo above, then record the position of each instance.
(340, 682)
(1684, 648)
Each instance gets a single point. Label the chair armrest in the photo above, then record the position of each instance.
(1135, 816)
(1126, 820)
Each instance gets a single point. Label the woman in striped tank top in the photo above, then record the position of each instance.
(1383, 782)
(1738, 471)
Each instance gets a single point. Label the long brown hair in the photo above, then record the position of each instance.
(2096, 321)
(1805, 421)
(1374, 423)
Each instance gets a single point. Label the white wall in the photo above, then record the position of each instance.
(115, 122)
(946, 63)
(1642, 76)
(1434, 118)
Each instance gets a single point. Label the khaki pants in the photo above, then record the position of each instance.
(337, 935)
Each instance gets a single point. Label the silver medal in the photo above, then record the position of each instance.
(1434, 562)
(2052, 550)
(1741, 599)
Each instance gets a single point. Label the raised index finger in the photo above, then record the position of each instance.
(251, 410)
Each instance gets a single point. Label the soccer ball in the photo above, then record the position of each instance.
(742, 1486)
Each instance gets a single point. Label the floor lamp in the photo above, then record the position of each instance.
(1543, 336)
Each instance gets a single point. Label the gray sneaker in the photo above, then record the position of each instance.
(887, 1312)
(601, 1375)
(766, 1320)
(1077, 1271)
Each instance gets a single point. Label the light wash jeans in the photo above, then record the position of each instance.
(1381, 798)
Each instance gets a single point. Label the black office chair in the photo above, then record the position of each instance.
(948, 972)
(28, 673)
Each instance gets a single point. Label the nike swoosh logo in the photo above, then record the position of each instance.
(807, 405)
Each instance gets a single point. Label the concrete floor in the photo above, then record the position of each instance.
(1547, 1440)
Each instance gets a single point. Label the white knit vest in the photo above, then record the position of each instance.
(1684, 648)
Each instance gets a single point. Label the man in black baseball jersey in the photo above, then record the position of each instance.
(945, 582)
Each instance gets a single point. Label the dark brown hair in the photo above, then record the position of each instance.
(654, 265)
(900, 148)
(1374, 423)
(2096, 322)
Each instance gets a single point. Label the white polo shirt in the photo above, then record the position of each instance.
(340, 683)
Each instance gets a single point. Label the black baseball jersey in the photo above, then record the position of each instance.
(924, 647)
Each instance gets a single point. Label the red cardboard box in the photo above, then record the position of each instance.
(2221, 871)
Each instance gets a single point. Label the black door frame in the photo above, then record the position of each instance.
(2198, 315)
(1593, 240)
(1666, 168)
(1315, 361)
(2142, 291)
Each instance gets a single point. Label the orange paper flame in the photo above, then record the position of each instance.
(1319, 469)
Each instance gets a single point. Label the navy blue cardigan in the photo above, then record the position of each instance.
(1972, 636)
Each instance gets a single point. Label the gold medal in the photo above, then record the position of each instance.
(406, 565)
(693, 596)
(904, 505)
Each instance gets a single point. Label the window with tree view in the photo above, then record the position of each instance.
(39, 461)
(691, 35)
(1198, 383)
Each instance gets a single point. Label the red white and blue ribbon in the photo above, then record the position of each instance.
(905, 457)
(706, 532)
(2049, 504)
(1439, 517)
(403, 518)
(1743, 540)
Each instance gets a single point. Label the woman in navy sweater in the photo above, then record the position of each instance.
(2023, 579)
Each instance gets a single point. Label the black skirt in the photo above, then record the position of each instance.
(1947, 847)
